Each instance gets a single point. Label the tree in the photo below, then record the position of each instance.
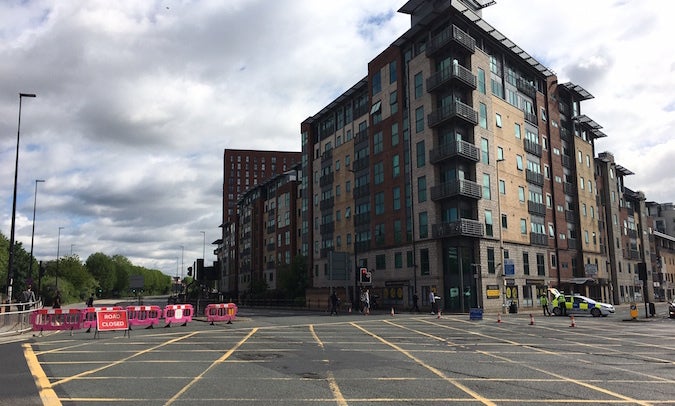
(292, 279)
(102, 268)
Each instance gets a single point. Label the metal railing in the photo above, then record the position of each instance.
(15, 317)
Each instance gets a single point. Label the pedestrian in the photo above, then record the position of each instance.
(366, 302)
(57, 300)
(416, 298)
(334, 304)
(90, 301)
(432, 301)
(28, 296)
(544, 304)
(562, 304)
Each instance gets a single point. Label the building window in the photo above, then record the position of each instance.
(523, 226)
(380, 262)
(521, 193)
(379, 234)
(488, 224)
(502, 187)
(377, 82)
(398, 260)
(419, 119)
(424, 261)
(498, 120)
(394, 134)
(379, 203)
(377, 142)
(491, 260)
(418, 85)
(485, 151)
(396, 167)
(516, 130)
(392, 72)
(422, 189)
(424, 225)
(393, 102)
(505, 221)
(482, 115)
(398, 235)
(519, 162)
(421, 154)
(378, 173)
(486, 186)
(396, 194)
(541, 266)
(481, 81)
(500, 153)
(526, 263)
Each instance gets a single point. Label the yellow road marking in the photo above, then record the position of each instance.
(47, 394)
(218, 361)
(64, 380)
(316, 337)
(435, 371)
(332, 383)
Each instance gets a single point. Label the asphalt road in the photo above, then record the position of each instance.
(272, 357)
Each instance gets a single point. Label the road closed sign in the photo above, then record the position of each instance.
(110, 320)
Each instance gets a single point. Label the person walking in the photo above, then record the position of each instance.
(334, 304)
(432, 301)
(415, 298)
(90, 301)
(544, 304)
(57, 300)
(28, 296)
(366, 302)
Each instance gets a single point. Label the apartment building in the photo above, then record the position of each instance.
(458, 165)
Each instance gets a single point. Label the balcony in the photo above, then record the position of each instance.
(631, 233)
(327, 203)
(458, 149)
(526, 87)
(539, 239)
(632, 254)
(327, 179)
(571, 216)
(449, 35)
(534, 177)
(327, 155)
(532, 147)
(361, 219)
(567, 161)
(453, 74)
(530, 117)
(327, 228)
(361, 136)
(360, 164)
(565, 134)
(572, 243)
(462, 187)
(535, 208)
(270, 229)
(569, 188)
(457, 110)
(360, 191)
(461, 228)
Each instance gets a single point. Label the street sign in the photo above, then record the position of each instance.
(111, 320)
(509, 267)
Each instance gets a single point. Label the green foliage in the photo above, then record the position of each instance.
(292, 279)
(100, 274)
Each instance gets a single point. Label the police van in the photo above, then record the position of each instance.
(577, 304)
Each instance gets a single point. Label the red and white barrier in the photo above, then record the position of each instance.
(89, 315)
(221, 312)
(56, 319)
(178, 314)
(147, 316)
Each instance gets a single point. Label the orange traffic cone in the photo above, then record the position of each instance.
(531, 320)
(392, 311)
(572, 323)
(499, 317)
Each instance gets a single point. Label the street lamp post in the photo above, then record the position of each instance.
(501, 236)
(10, 264)
(58, 253)
(32, 234)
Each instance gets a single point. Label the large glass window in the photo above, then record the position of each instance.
(481, 80)
(419, 119)
(482, 115)
(396, 165)
(378, 173)
(377, 82)
(379, 203)
(424, 262)
(491, 260)
(418, 85)
(392, 72)
(421, 154)
(488, 224)
(378, 143)
(485, 151)
(422, 189)
(424, 225)
(393, 102)
(486, 186)
(396, 195)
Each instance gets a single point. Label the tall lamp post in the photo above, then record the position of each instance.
(58, 253)
(10, 265)
(501, 236)
(32, 234)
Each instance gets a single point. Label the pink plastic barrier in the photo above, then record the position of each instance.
(89, 315)
(221, 312)
(178, 314)
(147, 316)
(56, 319)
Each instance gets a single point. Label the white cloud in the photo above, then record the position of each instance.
(137, 100)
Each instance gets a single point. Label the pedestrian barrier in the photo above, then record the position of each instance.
(89, 315)
(147, 316)
(56, 319)
(221, 312)
(178, 314)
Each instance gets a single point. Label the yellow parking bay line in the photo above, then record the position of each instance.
(47, 394)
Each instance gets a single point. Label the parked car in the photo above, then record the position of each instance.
(671, 309)
(577, 304)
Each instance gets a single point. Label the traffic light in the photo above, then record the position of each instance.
(189, 271)
(366, 277)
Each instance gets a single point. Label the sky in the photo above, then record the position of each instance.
(136, 101)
